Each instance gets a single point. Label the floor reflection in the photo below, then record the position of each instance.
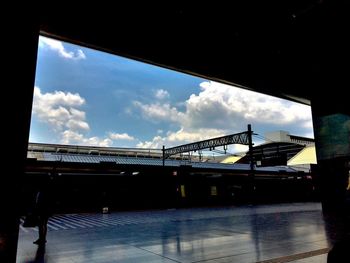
(225, 234)
(337, 227)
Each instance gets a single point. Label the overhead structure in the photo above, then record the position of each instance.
(238, 138)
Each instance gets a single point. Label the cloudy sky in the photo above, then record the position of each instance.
(88, 97)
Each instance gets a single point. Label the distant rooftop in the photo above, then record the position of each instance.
(86, 158)
(93, 150)
(281, 145)
(37, 151)
(284, 136)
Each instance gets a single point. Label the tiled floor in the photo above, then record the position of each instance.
(271, 233)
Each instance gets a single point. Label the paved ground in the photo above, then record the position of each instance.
(266, 233)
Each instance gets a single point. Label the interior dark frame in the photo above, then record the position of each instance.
(292, 49)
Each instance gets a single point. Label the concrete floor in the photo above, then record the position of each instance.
(265, 233)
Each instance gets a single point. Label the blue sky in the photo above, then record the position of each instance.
(87, 97)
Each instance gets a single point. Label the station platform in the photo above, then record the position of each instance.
(293, 232)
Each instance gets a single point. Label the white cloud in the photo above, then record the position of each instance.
(228, 109)
(192, 136)
(58, 47)
(77, 125)
(237, 148)
(226, 106)
(180, 137)
(157, 142)
(58, 110)
(161, 94)
(159, 112)
(73, 137)
(121, 136)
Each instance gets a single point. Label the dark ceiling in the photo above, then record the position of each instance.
(293, 49)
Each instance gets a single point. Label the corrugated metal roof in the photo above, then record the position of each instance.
(276, 169)
(80, 158)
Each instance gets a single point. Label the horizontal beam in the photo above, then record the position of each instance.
(238, 138)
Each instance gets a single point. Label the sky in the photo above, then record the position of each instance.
(88, 97)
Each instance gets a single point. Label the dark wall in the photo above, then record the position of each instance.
(155, 190)
(18, 71)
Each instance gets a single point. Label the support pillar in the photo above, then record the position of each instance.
(332, 138)
(331, 120)
(19, 64)
(251, 183)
